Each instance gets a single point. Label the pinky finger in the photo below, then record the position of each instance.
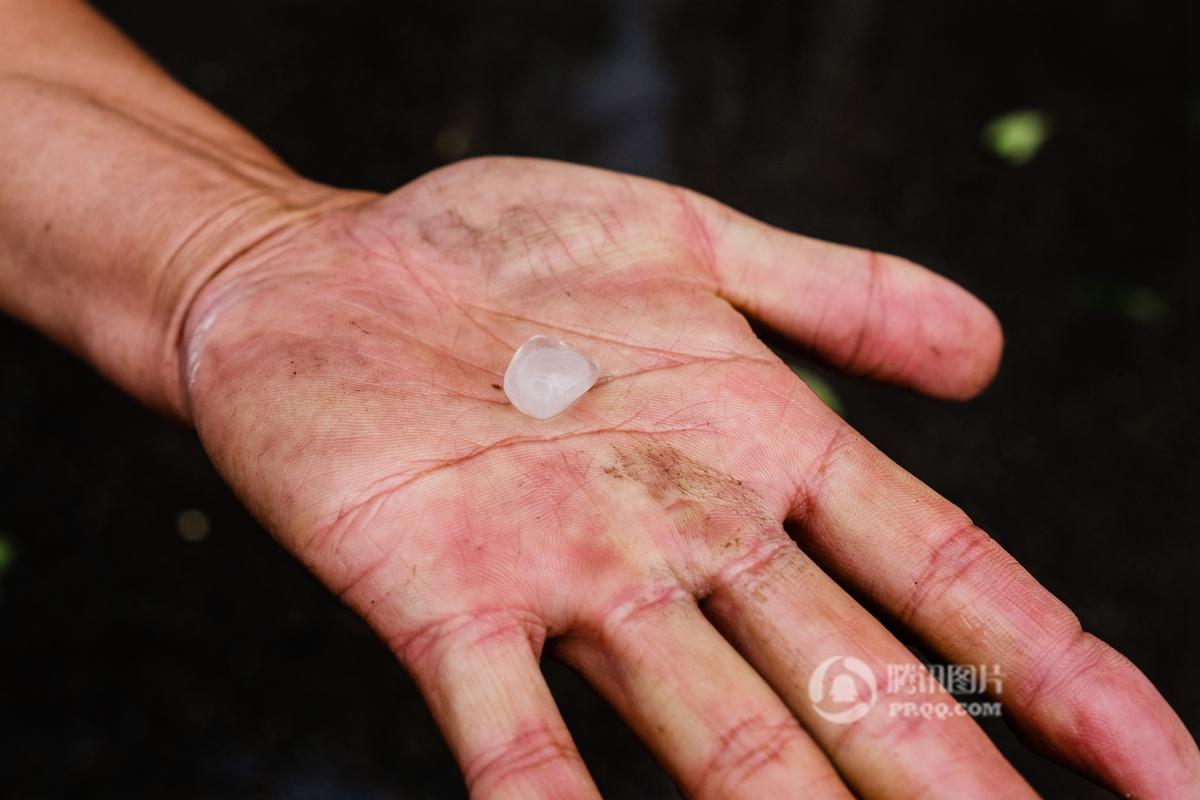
(485, 688)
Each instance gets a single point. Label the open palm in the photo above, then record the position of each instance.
(345, 376)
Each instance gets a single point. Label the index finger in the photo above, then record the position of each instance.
(922, 559)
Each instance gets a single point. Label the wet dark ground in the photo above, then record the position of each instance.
(134, 662)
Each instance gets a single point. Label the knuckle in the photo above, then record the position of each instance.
(765, 563)
(1059, 679)
(626, 615)
(817, 469)
(861, 348)
(539, 748)
(876, 728)
(422, 648)
(745, 750)
(963, 555)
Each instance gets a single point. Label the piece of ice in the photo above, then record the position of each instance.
(546, 375)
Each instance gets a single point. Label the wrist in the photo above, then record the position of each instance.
(113, 218)
(229, 236)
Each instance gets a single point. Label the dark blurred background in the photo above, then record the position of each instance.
(155, 642)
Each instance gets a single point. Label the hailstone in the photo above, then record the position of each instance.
(546, 376)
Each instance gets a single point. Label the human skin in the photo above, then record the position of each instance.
(338, 354)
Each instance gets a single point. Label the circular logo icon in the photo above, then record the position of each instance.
(842, 689)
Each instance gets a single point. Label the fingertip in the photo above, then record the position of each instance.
(927, 333)
(977, 356)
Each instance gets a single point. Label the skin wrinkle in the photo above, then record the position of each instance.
(222, 156)
(1050, 674)
(761, 557)
(624, 344)
(883, 349)
(683, 326)
(486, 247)
(364, 573)
(605, 268)
(487, 373)
(705, 362)
(812, 479)
(162, 291)
(951, 558)
(530, 750)
(691, 409)
(699, 232)
(394, 258)
(410, 478)
(188, 338)
(553, 232)
(603, 221)
(437, 638)
(644, 603)
(817, 333)
(745, 749)
(515, 227)
(613, 282)
(880, 731)
(463, 309)
(338, 547)
(186, 349)
(871, 303)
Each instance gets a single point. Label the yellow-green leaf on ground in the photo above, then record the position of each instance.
(1016, 136)
(819, 385)
(8, 554)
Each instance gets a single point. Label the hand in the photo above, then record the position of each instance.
(344, 373)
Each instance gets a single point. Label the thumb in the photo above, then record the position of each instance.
(868, 313)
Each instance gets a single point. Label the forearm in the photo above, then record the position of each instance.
(120, 194)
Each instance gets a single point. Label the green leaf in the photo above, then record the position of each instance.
(1144, 305)
(1139, 304)
(1016, 137)
(192, 525)
(8, 554)
(821, 387)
